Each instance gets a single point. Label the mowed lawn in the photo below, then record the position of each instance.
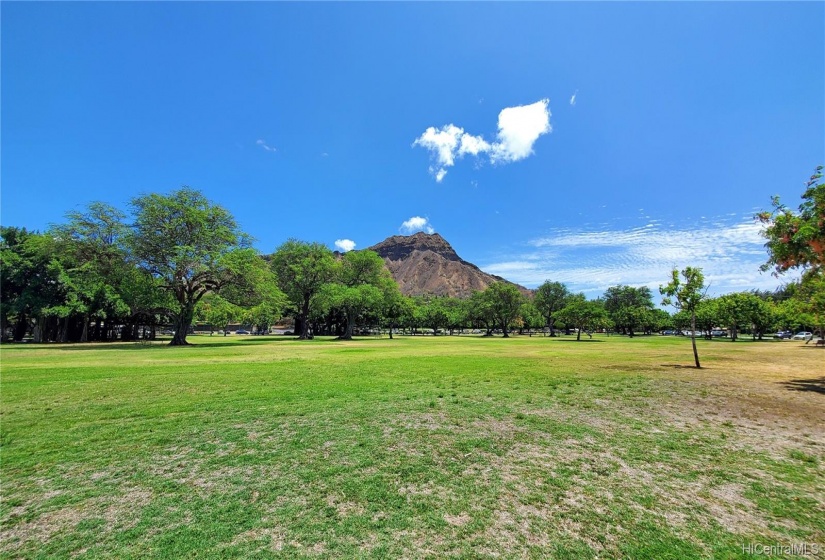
(411, 448)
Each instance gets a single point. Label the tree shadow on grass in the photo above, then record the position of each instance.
(681, 366)
(816, 385)
(574, 340)
(140, 345)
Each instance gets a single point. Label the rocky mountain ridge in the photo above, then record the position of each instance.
(425, 263)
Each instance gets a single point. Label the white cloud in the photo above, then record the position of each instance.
(518, 129)
(729, 252)
(417, 223)
(573, 98)
(345, 245)
(442, 144)
(472, 145)
(264, 145)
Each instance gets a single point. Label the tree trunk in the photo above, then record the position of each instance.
(347, 335)
(85, 336)
(578, 334)
(20, 328)
(37, 332)
(64, 330)
(504, 329)
(304, 320)
(182, 323)
(693, 338)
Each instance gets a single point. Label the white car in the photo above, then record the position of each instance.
(803, 335)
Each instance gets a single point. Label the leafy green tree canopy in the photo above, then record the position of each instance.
(504, 303)
(302, 268)
(583, 315)
(550, 297)
(192, 246)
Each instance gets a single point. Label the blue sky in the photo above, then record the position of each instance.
(333, 121)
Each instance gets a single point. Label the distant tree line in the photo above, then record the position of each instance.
(180, 259)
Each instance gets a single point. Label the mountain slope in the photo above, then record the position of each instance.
(426, 264)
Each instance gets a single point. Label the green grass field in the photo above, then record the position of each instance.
(411, 448)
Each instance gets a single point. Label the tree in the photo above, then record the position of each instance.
(302, 268)
(583, 315)
(707, 316)
(686, 293)
(550, 297)
(218, 312)
(456, 310)
(480, 312)
(738, 310)
(531, 317)
(352, 301)
(32, 281)
(96, 266)
(810, 298)
(192, 246)
(627, 306)
(356, 291)
(433, 313)
(504, 301)
(797, 239)
(657, 320)
(396, 307)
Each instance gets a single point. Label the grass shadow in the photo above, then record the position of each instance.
(816, 385)
(574, 340)
(680, 366)
(139, 345)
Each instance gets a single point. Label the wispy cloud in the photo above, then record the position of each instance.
(573, 98)
(518, 129)
(263, 144)
(417, 223)
(729, 252)
(345, 245)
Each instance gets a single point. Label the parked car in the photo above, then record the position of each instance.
(241, 331)
(718, 332)
(167, 331)
(785, 335)
(803, 335)
(668, 332)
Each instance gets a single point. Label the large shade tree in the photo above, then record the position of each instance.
(504, 303)
(302, 268)
(30, 280)
(192, 246)
(96, 265)
(549, 298)
(628, 307)
(356, 290)
(583, 315)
